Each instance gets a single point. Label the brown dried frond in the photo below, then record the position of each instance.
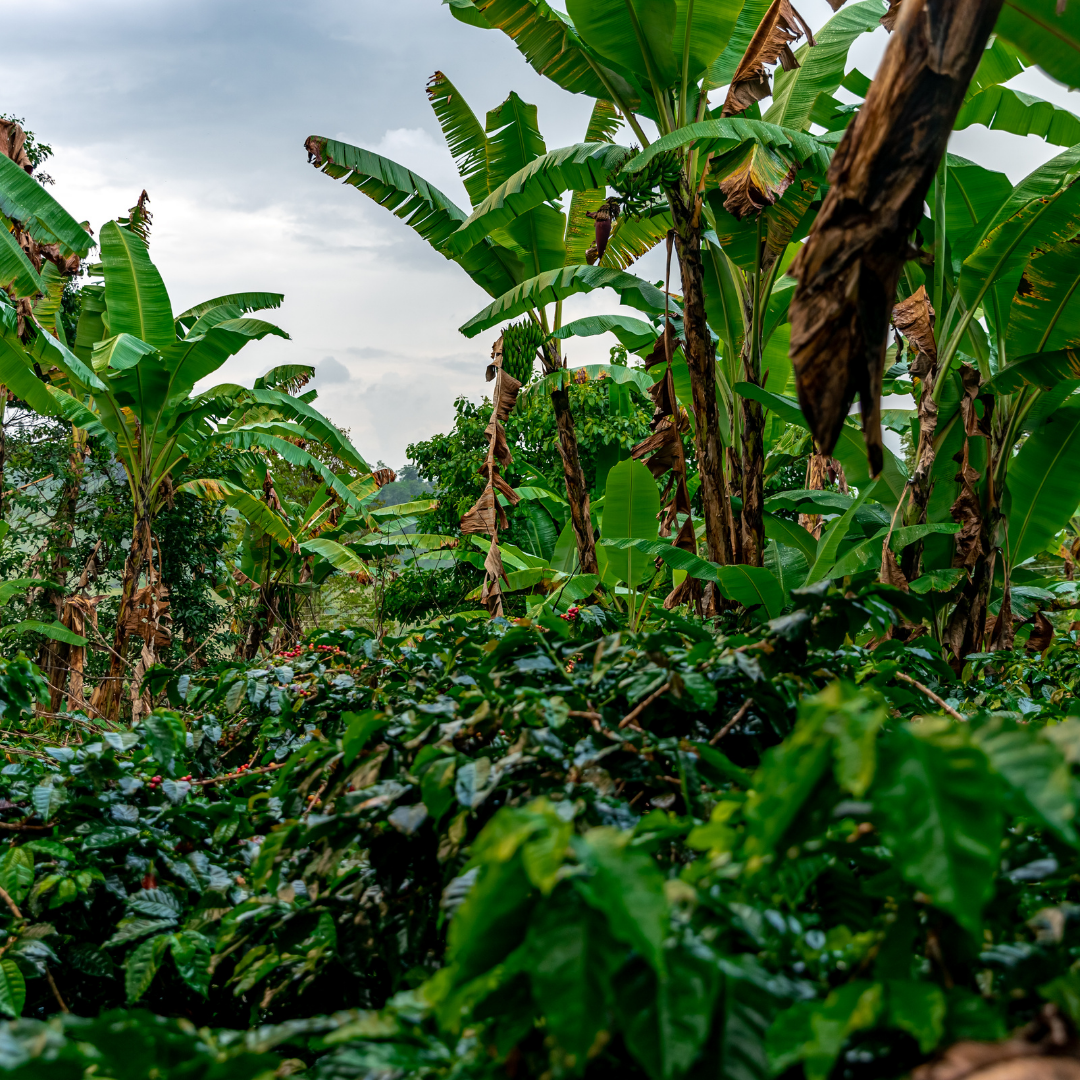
(752, 187)
(382, 477)
(888, 20)
(12, 138)
(771, 44)
(914, 318)
(139, 219)
(270, 496)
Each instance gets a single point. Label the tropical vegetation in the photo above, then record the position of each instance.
(662, 719)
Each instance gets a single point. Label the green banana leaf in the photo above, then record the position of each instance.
(1045, 370)
(635, 334)
(713, 136)
(631, 509)
(55, 630)
(135, 294)
(1045, 312)
(29, 203)
(17, 272)
(581, 167)
(247, 302)
(1042, 484)
(1047, 33)
(1002, 109)
(422, 207)
(465, 137)
(821, 66)
(554, 285)
(751, 586)
(251, 508)
(830, 542)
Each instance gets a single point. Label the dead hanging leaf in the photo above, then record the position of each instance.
(969, 543)
(270, 496)
(891, 574)
(1045, 1049)
(483, 514)
(758, 181)
(491, 594)
(771, 44)
(139, 219)
(970, 381)
(12, 140)
(888, 20)
(604, 216)
(914, 318)
(1042, 633)
(382, 477)
(878, 180)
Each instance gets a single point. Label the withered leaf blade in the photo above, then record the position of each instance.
(914, 318)
(12, 140)
(878, 180)
(771, 44)
(888, 20)
(757, 181)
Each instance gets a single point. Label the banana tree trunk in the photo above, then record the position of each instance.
(577, 494)
(752, 518)
(142, 614)
(701, 361)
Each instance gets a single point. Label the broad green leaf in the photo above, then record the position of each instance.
(821, 66)
(939, 808)
(665, 1021)
(628, 887)
(247, 302)
(971, 193)
(360, 727)
(1002, 109)
(1041, 211)
(57, 631)
(1042, 482)
(165, 738)
(1045, 370)
(785, 531)
(572, 960)
(17, 272)
(608, 28)
(786, 778)
(918, 1008)
(422, 207)
(1035, 770)
(634, 333)
(134, 292)
(717, 136)
(464, 134)
(548, 41)
(28, 202)
(251, 508)
(1047, 34)
(631, 508)
(337, 555)
(12, 983)
(555, 285)
(191, 955)
(582, 167)
(1045, 312)
(17, 872)
(142, 965)
(834, 537)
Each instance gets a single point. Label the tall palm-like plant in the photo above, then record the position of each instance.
(133, 389)
(534, 257)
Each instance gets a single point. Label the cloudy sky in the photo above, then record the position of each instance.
(206, 104)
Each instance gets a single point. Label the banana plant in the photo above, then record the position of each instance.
(528, 257)
(134, 389)
(287, 549)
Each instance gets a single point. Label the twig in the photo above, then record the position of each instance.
(10, 903)
(6, 827)
(56, 992)
(944, 705)
(245, 772)
(743, 708)
(12, 491)
(639, 709)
